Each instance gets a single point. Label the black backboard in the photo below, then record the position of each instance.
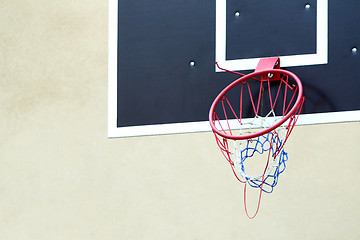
(162, 76)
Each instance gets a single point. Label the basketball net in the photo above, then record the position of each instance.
(268, 104)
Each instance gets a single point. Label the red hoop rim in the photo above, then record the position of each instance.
(244, 78)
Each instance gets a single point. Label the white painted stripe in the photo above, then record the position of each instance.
(203, 126)
(112, 67)
(320, 57)
(220, 31)
(334, 117)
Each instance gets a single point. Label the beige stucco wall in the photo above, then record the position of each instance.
(62, 178)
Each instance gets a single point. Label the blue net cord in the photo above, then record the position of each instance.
(277, 161)
(270, 180)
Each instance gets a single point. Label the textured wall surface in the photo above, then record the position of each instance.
(62, 178)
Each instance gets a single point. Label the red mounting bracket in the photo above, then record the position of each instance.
(269, 64)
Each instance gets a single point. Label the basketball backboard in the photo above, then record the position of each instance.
(162, 76)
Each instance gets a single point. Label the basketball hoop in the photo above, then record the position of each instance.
(255, 115)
